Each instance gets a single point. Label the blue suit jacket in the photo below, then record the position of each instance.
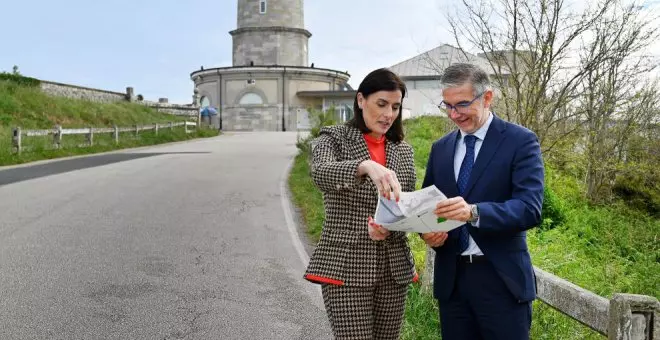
(506, 183)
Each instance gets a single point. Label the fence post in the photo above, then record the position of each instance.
(429, 265)
(90, 136)
(116, 133)
(57, 137)
(170, 125)
(634, 317)
(185, 126)
(137, 130)
(16, 139)
(156, 128)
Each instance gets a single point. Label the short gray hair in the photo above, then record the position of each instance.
(459, 74)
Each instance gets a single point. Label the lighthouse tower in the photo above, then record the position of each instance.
(270, 86)
(270, 33)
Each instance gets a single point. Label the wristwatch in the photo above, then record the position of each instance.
(474, 213)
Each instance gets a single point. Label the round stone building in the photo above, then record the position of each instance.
(270, 86)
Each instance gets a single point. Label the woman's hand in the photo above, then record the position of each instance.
(384, 178)
(376, 231)
(435, 239)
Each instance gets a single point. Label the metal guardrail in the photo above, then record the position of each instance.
(57, 132)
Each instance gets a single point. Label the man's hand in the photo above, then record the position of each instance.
(435, 239)
(376, 231)
(454, 208)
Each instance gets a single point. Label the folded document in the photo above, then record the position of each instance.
(414, 212)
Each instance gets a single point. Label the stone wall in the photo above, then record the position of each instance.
(256, 118)
(80, 92)
(103, 96)
(269, 46)
(289, 13)
(174, 109)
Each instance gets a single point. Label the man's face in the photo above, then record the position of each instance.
(473, 111)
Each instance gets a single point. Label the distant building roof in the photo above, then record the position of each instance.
(432, 62)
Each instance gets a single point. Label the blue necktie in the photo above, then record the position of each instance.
(463, 178)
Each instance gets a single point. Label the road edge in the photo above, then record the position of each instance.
(287, 207)
(51, 160)
(313, 290)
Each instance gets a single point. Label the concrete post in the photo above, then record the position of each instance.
(90, 136)
(634, 317)
(116, 135)
(57, 137)
(16, 139)
(185, 126)
(130, 94)
(156, 128)
(137, 130)
(429, 265)
(170, 125)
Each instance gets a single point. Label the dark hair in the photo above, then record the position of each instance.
(381, 79)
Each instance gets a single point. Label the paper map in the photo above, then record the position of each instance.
(414, 212)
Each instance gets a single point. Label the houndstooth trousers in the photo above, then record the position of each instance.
(367, 313)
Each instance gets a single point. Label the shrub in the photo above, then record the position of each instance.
(319, 119)
(19, 79)
(553, 211)
(640, 189)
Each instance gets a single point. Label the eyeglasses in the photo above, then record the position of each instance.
(462, 107)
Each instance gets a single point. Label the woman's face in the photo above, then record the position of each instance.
(379, 110)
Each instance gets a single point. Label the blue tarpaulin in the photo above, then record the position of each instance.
(208, 111)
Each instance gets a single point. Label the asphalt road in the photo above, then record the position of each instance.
(185, 241)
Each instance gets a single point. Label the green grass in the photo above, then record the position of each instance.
(306, 196)
(29, 108)
(421, 319)
(605, 249)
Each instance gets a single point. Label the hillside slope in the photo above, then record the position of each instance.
(25, 106)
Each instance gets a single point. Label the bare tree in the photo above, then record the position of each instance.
(576, 77)
(533, 49)
(616, 100)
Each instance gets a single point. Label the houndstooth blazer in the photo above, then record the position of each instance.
(345, 254)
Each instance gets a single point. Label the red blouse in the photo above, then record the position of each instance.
(376, 148)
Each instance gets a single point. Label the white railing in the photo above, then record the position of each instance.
(58, 132)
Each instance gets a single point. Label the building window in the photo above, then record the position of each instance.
(251, 99)
(205, 102)
(427, 84)
(262, 6)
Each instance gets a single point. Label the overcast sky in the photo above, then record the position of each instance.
(155, 45)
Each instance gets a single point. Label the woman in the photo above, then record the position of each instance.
(364, 269)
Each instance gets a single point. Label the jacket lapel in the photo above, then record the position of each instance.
(391, 155)
(358, 146)
(445, 172)
(491, 143)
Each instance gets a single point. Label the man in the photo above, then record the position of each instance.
(492, 172)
